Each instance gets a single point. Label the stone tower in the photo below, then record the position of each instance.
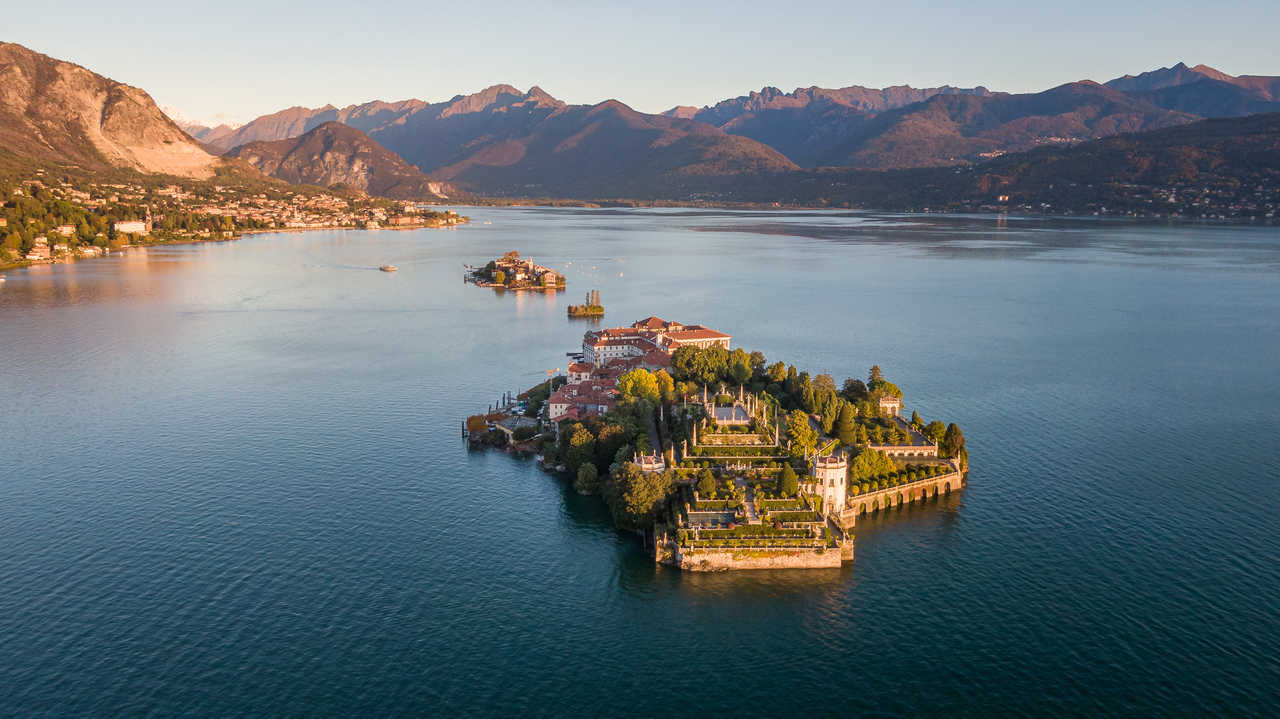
(830, 475)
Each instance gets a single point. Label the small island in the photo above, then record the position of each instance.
(591, 308)
(720, 459)
(515, 273)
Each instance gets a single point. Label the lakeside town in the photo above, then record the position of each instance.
(44, 219)
(719, 459)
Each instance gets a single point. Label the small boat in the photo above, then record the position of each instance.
(388, 268)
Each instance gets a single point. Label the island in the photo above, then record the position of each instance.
(592, 307)
(513, 272)
(720, 459)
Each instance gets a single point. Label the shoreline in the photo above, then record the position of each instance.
(64, 260)
(767, 206)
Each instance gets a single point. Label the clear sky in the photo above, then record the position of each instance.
(235, 60)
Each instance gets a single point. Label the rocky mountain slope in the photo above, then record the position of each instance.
(960, 129)
(908, 127)
(55, 111)
(333, 154)
(807, 123)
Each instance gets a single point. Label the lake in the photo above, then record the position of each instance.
(233, 481)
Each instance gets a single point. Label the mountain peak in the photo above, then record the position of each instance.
(334, 153)
(489, 98)
(1164, 77)
(1213, 73)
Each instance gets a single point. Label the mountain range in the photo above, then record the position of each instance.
(508, 142)
(503, 141)
(1227, 164)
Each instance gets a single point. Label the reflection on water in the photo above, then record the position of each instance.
(1060, 240)
(233, 482)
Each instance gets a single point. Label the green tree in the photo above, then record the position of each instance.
(609, 441)
(740, 370)
(916, 421)
(846, 429)
(582, 448)
(935, 431)
(952, 443)
(706, 483)
(588, 480)
(870, 464)
(801, 433)
(788, 482)
(854, 390)
(861, 439)
(666, 385)
(777, 373)
(500, 277)
(875, 375)
(639, 384)
(640, 496)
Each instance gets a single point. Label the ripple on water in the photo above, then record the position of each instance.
(243, 491)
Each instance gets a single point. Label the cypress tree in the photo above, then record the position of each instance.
(845, 428)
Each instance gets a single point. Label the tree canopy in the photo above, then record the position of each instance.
(870, 464)
(588, 480)
(639, 384)
(846, 429)
(788, 482)
(801, 433)
(640, 495)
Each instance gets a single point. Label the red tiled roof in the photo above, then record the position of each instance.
(651, 323)
(696, 334)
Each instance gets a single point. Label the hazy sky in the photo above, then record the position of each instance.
(235, 60)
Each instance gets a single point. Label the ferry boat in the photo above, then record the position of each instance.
(388, 268)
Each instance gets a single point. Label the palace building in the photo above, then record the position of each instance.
(646, 337)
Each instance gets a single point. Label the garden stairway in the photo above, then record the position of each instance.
(749, 505)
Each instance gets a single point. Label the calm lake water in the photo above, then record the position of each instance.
(232, 481)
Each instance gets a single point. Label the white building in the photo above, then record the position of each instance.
(132, 227)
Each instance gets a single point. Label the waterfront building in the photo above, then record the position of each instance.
(40, 250)
(648, 336)
(830, 478)
(132, 227)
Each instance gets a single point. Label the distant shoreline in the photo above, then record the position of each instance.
(24, 264)
(620, 204)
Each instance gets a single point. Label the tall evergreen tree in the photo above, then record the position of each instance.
(952, 443)
(846, 430)
(788, 482)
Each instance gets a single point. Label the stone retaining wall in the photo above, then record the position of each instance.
(895, 496)
(720, 560)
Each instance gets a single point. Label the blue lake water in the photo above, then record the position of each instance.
(232, 480)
